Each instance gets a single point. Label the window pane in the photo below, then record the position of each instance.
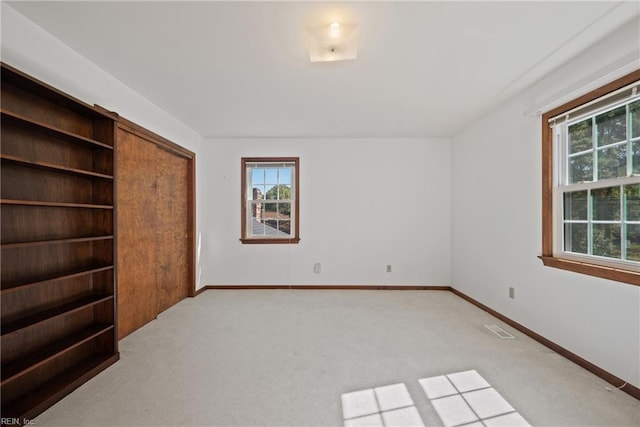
(634, 114)
(257, 227)
(272, 193)
(612, 126)
(575, 205)
(276, 227)
(271, 227)
(276, 219)
(581, 168)
(612, 162)
(284, 210)
(279, 192)
(606, 240)
(284, 175)
(257, 193)
(633, 242)
(632, 202)
(284, 192)
(270, 210)
(635, 147)
(271, 176)
(266, 220)
(256, 211)
(575, 238)
(580, 136)
(606, 204)
(257, 176)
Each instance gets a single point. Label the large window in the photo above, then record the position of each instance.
(270, 194)
(591, 183)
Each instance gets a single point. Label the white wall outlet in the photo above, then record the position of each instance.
(317, 268)
(388, 268)
(512, 292)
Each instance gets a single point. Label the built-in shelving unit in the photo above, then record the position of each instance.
(57, 287)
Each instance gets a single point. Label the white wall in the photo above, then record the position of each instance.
(496, 224)
(29, 48)
(363, 204)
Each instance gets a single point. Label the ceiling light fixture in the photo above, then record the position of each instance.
(335, 42)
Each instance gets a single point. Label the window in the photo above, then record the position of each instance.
(591, 183)
(270, 195)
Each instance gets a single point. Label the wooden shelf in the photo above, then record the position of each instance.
(47, 315)
(48, 166)
(14, 77)
(70, 274)
(53, 204)
(58, 277)
(34, 360)
(26, 244)
(36, 401)
(17, 119)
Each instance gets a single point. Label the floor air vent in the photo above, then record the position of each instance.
(499, 331)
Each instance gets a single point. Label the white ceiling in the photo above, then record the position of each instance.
(241, 69)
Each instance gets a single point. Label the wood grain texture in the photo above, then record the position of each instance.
(47, 371)
(155, 226)
(38, 400)
(152, 137)
(31, 184)
(29, 223)
(38, 298)
(25, 341)
(57, 305)
(22, 263)
(23, 141)
(42, 110)
(136, 219)
(172, 229)
(548, 258)
(619, 275)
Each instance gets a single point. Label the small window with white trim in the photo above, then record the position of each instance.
(270, 194)
(596, 182)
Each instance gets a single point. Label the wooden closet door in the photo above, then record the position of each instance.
(155, 223)
(172, 231)
(137, 218)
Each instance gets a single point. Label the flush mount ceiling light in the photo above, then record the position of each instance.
(334, 42)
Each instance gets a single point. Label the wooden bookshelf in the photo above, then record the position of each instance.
(58, 237)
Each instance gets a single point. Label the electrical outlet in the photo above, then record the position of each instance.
(512, 293)
(317, 268)
(388, 268)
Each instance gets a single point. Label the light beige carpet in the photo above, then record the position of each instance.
(280, 357)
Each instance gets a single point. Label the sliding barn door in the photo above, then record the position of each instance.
(155, 227)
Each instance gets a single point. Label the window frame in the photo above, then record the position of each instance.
(550, 256)
(294, 238)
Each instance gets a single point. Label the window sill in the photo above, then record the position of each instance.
(270, 241)
(611, 273)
